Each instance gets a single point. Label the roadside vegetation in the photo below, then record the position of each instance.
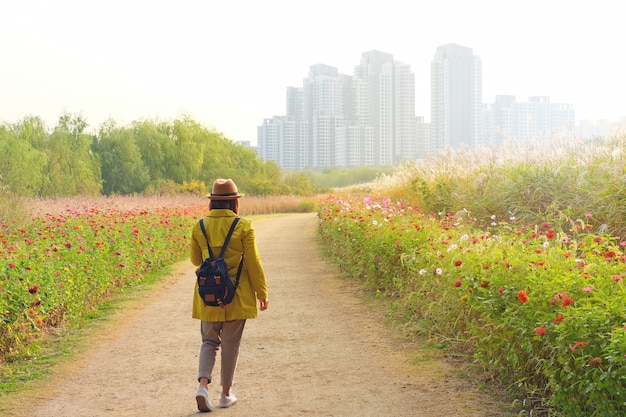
(513, 256)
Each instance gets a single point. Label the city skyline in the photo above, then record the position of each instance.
(227, 65)
(368, 118)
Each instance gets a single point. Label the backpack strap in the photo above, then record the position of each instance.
(206, 238)
(230, 233)
(228, 236)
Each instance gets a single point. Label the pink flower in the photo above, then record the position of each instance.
(587, 289)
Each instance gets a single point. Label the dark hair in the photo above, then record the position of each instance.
(232, 205)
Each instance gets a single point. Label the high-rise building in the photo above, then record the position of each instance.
(340, 120)
(456, 98)
(536, 120)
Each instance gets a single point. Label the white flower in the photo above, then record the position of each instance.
(438, 271)
(422, 271)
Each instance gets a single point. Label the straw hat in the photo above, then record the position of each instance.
(224, 190)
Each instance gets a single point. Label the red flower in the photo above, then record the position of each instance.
(578, 344)
(458, 283)
(559, 319)
(540, 331)
(522, 297)
(550, 234)
(458, 263)
(567, 301)
(33, 290)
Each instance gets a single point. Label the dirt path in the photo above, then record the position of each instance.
(317, 351)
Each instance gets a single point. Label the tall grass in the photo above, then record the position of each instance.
(561, 180)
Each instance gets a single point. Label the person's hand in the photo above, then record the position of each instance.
(263, 304)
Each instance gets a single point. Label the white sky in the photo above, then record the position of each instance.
(227, 63)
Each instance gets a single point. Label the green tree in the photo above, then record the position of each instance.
(190, 140)
(21, 166)
(72, 168)
(154, 144)
(123, 170)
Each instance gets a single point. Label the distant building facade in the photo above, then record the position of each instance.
(336, 120)
(456, 99)
(538, 120)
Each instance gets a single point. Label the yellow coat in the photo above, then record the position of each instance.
(252, 284)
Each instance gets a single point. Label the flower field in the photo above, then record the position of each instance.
(61, 264)
(541, 307)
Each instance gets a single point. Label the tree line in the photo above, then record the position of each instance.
(144, 157)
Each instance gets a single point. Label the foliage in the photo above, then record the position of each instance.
(63, 264)
(342, 177)
(528, 181)
(147, 156)
(540, 306)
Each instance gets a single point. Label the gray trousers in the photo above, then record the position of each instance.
(215, 334)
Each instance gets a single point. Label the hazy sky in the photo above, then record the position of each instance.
(227, 63)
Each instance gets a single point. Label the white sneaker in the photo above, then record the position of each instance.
(227, 400)
(203, 400)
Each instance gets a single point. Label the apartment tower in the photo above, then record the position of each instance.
(456, 99)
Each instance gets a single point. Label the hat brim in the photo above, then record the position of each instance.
(224, 197)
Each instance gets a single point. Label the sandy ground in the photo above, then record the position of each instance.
(318, 350)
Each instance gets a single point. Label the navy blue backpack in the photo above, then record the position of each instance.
(215, 286)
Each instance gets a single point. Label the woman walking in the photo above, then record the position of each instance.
(222, 326)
